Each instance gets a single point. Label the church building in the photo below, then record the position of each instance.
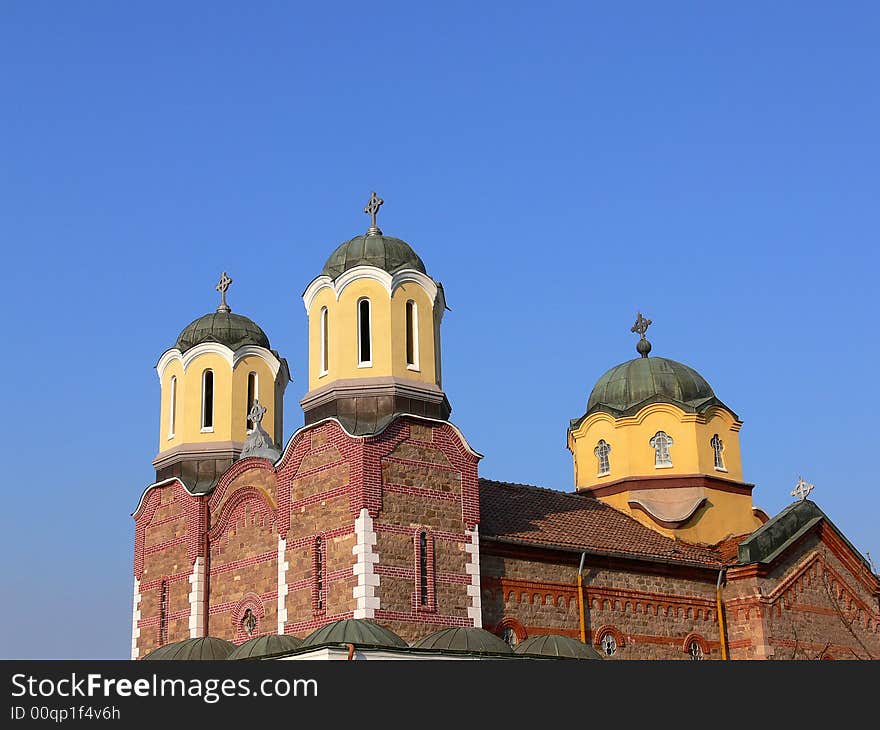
(371, 527)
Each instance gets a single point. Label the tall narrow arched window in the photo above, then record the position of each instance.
(423, 568)
(325, 340)
(252, 395)
(319, 574)
(163, 611)
(412, 335)
(717, 449)
(603, 448)
(172, 406)
(208, 400)
(661, 443)
(365, 345)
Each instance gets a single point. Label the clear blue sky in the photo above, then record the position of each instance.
(558, 166)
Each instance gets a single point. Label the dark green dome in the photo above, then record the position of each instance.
(227, 328)
(558, 646)
(357, 631)
(626, 388)
(465, 639)
(265, 646)
(202, 649)
(384, 252)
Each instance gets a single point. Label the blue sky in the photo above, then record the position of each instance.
(558, 166)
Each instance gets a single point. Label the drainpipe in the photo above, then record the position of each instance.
(581, 599)
(722, 624)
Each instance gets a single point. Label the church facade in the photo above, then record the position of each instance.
(375, 509)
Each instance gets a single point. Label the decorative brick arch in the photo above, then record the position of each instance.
(244, 495)
(253, 602)
(701, 641)
(619, 638)
(509, 622)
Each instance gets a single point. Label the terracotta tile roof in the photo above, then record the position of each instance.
(728, 547)
(546, 517)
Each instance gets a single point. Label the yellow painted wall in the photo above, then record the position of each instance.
(631, 452)
(388, 333)
(230, 399)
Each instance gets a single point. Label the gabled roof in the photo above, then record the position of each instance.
(524, 514)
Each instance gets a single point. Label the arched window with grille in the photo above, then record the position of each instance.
(423, 568)
(661, 442)
(602, 450)
(717, 450)
(319, 574)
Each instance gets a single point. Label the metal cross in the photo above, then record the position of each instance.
(641, 325)
(257, 412)
(221, 287)
(802, 489)
(372, 209)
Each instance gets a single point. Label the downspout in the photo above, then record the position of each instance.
(580, 584)
(722, 623)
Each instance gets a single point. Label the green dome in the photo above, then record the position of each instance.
(625, 389)
(265, 646)
(556, 645)
(384, 252)
(357, 631)
(466, 639)
(202, 649)
(232, 330)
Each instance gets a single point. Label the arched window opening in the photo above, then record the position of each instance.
(412, 335)
(661, 443)
(609, 644)
(249, 622)
(509, 637)
(365, 349)
(423, 568)
(325, 340)
(172, 406)
(601, 451)
(717, 449)
(163, 612)
(208, 400)
(695, 650)
(319, 573)
(252, 395)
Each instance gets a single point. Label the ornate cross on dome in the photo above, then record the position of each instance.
(221, 287)
(372, 209)
(802, 489)
(257, 413)
(640, 327)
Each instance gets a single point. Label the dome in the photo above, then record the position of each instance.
(384, 252)
(558, 646)
(204, 648)
(357, 631)
(465, 639)
(626, 388)
(232, 330)
(266, 646)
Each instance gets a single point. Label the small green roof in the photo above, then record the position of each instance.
(384, 252)
(627, 388)
(464, 639)
(557, 646)
(227, 328)
(357, 631)
(201, 649)
(266, 646)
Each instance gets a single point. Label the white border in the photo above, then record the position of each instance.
(390, 281)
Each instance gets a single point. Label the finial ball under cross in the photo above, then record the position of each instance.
(802, 489)
(221, 287)
(643, 347)
(371, 209)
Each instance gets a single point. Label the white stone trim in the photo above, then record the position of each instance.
(390, 281)
(366, 558)
(135, 617)
(197, 599)
(472, 568)
(283, 565)
(232, 358)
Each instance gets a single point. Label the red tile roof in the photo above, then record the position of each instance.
(546, 517)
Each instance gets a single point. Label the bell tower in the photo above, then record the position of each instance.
(219, 367)
(374, 334)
